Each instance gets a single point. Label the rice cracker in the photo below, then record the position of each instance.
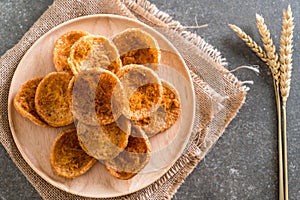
(51, 101)
(94, 51)
(67, 158)
(104, 142)
(133, 159)
(24, 102)
(136, 46)
(97, 97)
(166, 115)
(62, 48)
(143, 91)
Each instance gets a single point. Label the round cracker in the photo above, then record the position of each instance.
(93, 51)
(51, 101)
(143, 91)
(133, 159)
(104, 142)
(62, 48)
(166, 115)
(24, 102)
(97, 97)
(136, 46)
(67, 158)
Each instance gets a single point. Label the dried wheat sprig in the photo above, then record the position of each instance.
(250, 43)
(270, 48)
(271, 59)
(281, 71)
(274, 66)
(272, 62)
(286, 51)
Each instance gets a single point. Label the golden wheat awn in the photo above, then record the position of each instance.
(250, 43)
(270, 48)
(286, 50)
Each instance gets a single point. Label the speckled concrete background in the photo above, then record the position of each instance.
(243, 163)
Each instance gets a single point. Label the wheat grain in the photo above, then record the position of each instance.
(270, 48)
(286, 50)
(250, 43)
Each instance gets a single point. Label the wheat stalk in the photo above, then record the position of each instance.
(250, 43)
(281, 71)
(286, 51)
(270, 48)
(274, 66)
(270, 57)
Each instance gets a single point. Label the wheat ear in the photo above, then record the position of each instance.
(270, 48)
(250, 43)
(286, 50)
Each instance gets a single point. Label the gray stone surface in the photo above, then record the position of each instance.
(243, 163)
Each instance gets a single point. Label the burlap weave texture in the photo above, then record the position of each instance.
(219, 94)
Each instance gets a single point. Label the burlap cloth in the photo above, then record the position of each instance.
(219, 94)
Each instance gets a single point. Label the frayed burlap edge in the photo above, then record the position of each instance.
(146, 12)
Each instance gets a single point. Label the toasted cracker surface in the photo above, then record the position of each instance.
(62, 48)
(94, 51)
(104, 142)
(97, 97)
(133, 159)
(143, 91)
(166, 115)
(24, 102)
(51, 100)
(67, 157)
(136, 46)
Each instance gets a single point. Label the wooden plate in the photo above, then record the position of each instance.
(35, 142)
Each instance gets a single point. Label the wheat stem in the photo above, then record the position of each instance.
(285, 157)
(280, 152)
(270, 48)
(250, 43)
